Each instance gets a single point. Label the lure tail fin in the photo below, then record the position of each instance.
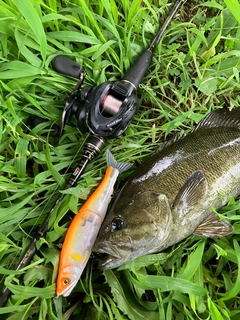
(112, 162)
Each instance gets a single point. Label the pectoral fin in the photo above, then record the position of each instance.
(213, 226)
(192, 192)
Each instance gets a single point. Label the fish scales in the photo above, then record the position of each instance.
(220, 161)
(170, 196)
(178, 161)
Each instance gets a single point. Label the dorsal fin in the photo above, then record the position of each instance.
(221, 118)
(171, 142)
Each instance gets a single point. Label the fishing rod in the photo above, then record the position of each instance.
(104, 111)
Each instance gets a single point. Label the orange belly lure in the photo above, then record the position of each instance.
(84, 229)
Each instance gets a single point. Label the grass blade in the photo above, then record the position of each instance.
(126, 301)
(236, 288)
(168, 284)
(73, 37)
(34, 22)
(21, 153)
(234, 7)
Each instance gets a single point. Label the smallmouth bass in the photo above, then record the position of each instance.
(171, 195)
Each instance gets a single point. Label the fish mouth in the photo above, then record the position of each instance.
(112, 255)
(107, 249)
(109, 262)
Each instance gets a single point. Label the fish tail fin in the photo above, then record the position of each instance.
(112, 162)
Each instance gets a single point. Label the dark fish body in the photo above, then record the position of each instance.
(171, 195)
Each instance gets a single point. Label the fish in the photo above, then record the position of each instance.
(172, 195)
(84, 228)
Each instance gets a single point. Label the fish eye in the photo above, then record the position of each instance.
(65, 281)
(117, 224)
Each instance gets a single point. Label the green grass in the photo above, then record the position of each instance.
(195, 70)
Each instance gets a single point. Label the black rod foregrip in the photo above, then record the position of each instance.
(138, 70)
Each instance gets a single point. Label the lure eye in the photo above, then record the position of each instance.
(117, 224)
(65, 282)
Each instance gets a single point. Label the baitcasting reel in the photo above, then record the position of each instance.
(104, 111)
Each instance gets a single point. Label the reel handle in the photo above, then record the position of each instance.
(64, 65)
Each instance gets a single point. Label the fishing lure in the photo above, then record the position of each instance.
(84, 229)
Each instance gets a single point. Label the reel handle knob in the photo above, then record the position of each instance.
(64, 65)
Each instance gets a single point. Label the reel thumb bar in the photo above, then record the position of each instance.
(94, 143)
